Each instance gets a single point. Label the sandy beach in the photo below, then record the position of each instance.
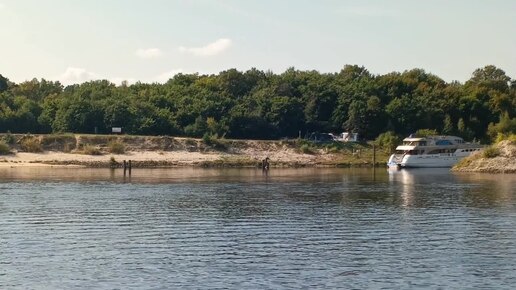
(163, 158)
(165, 151)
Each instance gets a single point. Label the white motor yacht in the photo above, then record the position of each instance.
(431, 151)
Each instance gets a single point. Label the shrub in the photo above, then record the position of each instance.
(9, 138)
(491, 152)
(57, 138)
(501, 137)
(190, 142)
(207, 138)
(214, 141)
(388, 141)
(67, 148)
(116, 147)
(506, 126)
(4, 148)
(91, 150)
(30, 144)
(333, 149)
(59, 142)
(306, 148)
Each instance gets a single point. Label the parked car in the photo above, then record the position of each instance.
(321, 137)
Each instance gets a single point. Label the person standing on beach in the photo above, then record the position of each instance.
(265, 163)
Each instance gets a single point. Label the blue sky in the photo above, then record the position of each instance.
(78, 40)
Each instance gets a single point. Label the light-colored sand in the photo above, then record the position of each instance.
(504, 163)
(180, 158)
(39, 159)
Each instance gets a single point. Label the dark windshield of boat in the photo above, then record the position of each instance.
(414, 143)
(443, 142)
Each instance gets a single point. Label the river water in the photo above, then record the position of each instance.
(242, 229)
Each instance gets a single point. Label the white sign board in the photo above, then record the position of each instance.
(116, 130)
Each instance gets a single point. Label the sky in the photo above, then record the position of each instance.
(150, 41)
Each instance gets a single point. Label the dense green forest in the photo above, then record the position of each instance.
(262, 105)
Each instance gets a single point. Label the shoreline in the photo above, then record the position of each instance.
(502, 160)
(152, 159)
(96, 151)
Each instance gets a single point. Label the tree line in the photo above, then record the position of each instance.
(259, 104)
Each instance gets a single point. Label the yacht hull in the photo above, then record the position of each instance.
(424, 161)
(430, 161)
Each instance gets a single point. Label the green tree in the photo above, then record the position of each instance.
(505, 126)
(448, 125)
(4, 84)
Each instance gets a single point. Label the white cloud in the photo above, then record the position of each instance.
(214, 48)
(149, 53)
(164, 77)
(2, 5)
(75, 75)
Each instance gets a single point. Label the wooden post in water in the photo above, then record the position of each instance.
(130, 167)
(125, 166)
(374, 156)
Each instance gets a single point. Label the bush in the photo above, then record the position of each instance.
(91, 150)
(207, 138)
(214, 141)
(58, 142)
(116, 147)
(491, 152)
(190, 142)
(4, 148)
(9, 138)
(307, 149)
(501, 137)
(30, 144)
(57, 138)
(334, 149)
(506, 126)
(388, 141)
(67, 148)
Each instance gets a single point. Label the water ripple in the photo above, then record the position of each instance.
(350, 230)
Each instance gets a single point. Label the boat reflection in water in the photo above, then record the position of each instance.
(432, 186)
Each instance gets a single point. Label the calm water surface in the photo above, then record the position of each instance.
(240, 229)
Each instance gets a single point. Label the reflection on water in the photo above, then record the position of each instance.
(242, 229)
(473, 189)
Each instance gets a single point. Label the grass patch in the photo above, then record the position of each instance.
(57, 138)
(491, 152)
(231, 162)
(467, 161)
(214, 141)
(9, 138)
(305, 146)
(4, 148)
(309, 147)
(60, 142)
(89, 149)
(116, 147)
(97, 139)
(502, 137)
(306, 149)
(190, 142)
(30, 144)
